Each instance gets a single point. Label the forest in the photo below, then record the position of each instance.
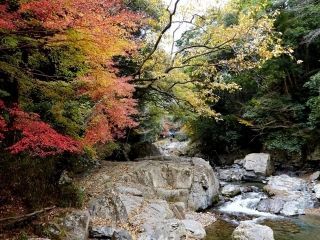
(101, 93)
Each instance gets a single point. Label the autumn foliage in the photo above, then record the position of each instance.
(34, 136)
(97, 29)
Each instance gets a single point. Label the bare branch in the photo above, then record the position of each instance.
(164, 30)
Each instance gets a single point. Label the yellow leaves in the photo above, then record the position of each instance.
(245, 122)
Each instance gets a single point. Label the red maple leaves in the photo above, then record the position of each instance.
(101, 29)
(35, 136)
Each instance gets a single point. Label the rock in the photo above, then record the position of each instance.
(143, 149)
(316, 190)
(191, 181)
(173, 147)
(194, 229)
(109, 207)
(260, 163)
(314, 176)
(284, 183)
(75, 225)
(168, 229)
(252, 231)
(205, 219)
(129, 190)
(292, 191)
(64, 178)
(270, 205)
(179, 210)
(121, 235)
(239, 162)
(231, 174)
(153, 212)
(231, 190)
(152, 197)
(205, 185)
(101, 232)
(104, 232)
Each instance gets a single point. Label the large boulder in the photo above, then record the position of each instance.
(191, 181)
(289, 192)
(260, 163)
(151, 198)
(252, 231)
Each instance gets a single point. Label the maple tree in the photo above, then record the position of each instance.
(85, 96)
(36, 137)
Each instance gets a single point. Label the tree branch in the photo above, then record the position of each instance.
(164, 30)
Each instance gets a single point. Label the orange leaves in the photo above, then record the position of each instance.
(113, 109)
(100, 30)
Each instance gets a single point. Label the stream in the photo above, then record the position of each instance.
(243, 207)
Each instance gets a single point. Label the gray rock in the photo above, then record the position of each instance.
(252, 231)
(284, 183)
(167, 229)
(105, 232)
(231, 190)
(179, 210)
(75, 225)
(316, 190)
(153, 196)
(205, 185)
(292, 191)
(101, 232)
(38, 238)
(191, 181)
(260, 163)
(129, 191)
(239, 162)
(231, 174)
(270, 205)
(121, 235)
(109, 207)
(194, 229)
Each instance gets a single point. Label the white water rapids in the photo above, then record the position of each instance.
(246, 203)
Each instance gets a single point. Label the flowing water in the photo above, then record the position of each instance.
(243, 207)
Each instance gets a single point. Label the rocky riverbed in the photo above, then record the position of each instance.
(149, 199)
(255, 199)
(170, 197)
